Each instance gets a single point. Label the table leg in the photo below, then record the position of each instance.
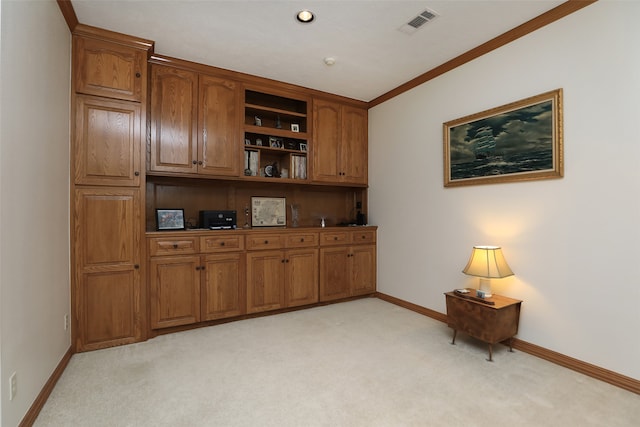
(453, 342)
(490, 359)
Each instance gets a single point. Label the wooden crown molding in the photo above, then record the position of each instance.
(68, 13)
(528, 27)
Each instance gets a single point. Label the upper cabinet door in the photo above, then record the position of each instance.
(340, 143)
(218, 127)
(107, 147)
(354, 153)
(326, 139)
(109, 69)
(174, 125)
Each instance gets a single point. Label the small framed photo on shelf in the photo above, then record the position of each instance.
(295, 127)
(247, 141)
(275, 142)
(169, 219)
(303, 146)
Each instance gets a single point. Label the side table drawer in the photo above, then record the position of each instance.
(178, 246)
(221, 243)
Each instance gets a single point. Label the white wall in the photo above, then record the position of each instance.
(35, 56)
(573, 243)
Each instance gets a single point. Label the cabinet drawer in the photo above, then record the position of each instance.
(302, 240)
(222, 243)
(265, 241)
(178, 246)
(364, 236)
(335, 238)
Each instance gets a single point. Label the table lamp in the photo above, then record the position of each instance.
(487, 262)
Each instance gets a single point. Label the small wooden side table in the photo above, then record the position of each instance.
(491, 320)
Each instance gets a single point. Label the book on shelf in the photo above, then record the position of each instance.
(299, 167)
(251, 161)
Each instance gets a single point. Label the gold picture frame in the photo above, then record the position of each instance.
(519, 141)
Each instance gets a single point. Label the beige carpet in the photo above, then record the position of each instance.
(359, 363)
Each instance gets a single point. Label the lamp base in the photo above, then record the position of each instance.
(485, 287)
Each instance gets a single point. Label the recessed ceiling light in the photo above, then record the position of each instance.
(305, 16)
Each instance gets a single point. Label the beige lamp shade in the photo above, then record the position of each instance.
(487, 262)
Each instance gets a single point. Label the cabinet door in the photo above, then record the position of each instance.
(363, 269)
(174, 291)
(218, 124)
(174, 124)
(223, 286)
(326, 141)
(265, 281)
(109, 69)
(354, 148)
(107, 148)
(334, 273)
(301, 277)
(106, 248)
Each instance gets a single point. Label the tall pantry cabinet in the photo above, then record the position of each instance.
(107, 190)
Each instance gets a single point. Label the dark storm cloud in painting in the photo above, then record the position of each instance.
(528, 129)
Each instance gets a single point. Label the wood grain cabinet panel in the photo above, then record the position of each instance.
(174, 120)
(174, 291)
(223, 286)
(106, 147)
(218, 124)
(340, 152)
(265, 281)
(347, 263)
(107, 292)
(109, 69)
(301, 277)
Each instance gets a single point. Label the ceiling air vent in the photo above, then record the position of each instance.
(417, 22)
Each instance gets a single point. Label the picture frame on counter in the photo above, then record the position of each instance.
(295, 127)
(170, 219)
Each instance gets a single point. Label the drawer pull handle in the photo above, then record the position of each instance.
(136, 173)
(195, 162)
(136, 266)
(363, 236)
(175, 246)
(302, 239)
(335, 238)
(221, 243)
(266, 242)
(138, 75)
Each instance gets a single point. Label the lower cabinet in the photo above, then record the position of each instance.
(347, 264)
(186, 289)
(107, 292)
(200, 276)
(278, 278)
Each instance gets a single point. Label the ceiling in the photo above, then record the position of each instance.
(263, 38)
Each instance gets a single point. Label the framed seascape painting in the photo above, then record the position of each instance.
(515, 142)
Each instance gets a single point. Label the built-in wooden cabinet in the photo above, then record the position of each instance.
(107, 188)
(194, 123)
(279, 277)
(347, 263)
(174, 290)
(194, 278)
(108, 68)
(275, 135)
(174, 120)
(340, 149)
(136, 149)
(107, 143)
(107, 291)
